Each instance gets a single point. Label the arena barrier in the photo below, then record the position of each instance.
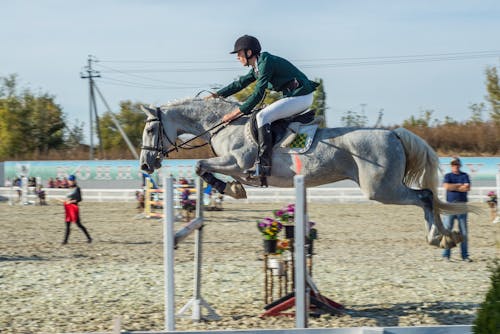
(170, 241)
(151, 203)
(23, 195)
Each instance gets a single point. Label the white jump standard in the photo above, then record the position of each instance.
(171, 239)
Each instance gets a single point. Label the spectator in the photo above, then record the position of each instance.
(139, 195)
(51, 183)
(72, 210)
(64, 183)
(41, 195)
(18, 184)
(58, 182)
(31, 181)
(457, 185)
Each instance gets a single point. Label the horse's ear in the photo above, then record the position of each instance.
(149, 111)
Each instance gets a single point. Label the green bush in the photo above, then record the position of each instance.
(488, 316)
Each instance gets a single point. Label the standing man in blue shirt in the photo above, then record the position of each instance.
(457, 185)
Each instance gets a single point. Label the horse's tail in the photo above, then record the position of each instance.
(422, 166)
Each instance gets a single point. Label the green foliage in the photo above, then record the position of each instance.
(319, 102)
(74, 136)
(424, 120)
(354, 119)
(131, 119)
(31, 123)
(476, 112)
(270, 96)
(493, 88)
(488, 316)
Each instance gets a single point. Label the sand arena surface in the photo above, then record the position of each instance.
(370, 257)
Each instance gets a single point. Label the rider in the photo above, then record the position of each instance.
(275, 73)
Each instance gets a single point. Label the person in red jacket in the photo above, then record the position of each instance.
(72, 211)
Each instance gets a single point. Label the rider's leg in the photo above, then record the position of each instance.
(262, 166)
(280, 109)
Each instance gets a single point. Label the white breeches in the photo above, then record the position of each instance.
(284, 108)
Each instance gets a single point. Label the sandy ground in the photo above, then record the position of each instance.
(370, 257)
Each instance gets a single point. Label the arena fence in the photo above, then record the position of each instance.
(255, 195)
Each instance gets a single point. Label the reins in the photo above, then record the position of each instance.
(159, 142)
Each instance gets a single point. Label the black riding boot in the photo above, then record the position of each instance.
(262, 167)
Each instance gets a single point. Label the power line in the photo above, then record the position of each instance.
(443, 56)
(356, 62)
(124, 83)
(314, 63)
(140, 76)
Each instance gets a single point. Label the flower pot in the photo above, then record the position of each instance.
(278, 269)
(289, 231)
(270, 246)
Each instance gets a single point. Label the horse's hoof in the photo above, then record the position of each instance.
(434, 241)
(447, 242)
(235, 190)
(456, 237)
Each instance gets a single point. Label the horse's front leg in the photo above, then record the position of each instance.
(224, 165)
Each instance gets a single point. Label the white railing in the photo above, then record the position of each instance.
(255, 195)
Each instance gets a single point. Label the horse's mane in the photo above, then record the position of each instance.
(211, 105)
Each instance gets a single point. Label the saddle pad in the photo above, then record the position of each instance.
(298, 141)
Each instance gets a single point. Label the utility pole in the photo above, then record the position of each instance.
(91, 74)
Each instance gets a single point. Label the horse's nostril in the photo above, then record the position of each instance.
(144, 167)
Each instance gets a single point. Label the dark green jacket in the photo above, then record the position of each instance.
(274, 73)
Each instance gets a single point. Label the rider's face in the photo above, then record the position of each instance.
(241, 57)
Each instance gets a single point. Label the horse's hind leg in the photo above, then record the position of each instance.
(424, 198)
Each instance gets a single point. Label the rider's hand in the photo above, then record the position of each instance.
(211, 96)
(232, 115)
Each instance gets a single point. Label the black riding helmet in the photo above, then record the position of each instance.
(247, 42)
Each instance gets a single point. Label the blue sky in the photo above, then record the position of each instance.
(181, 47)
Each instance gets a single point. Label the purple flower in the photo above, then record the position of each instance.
(268, 220)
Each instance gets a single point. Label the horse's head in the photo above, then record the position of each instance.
(155, 142)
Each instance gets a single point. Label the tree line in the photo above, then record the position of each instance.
(34, 127)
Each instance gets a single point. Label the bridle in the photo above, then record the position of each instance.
(159, 146)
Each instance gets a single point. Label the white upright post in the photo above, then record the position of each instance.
(198, 252)
(301, 295)
(24, 189)
(168, 249)
(197, 302)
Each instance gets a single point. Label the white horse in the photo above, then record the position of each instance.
(390, 166)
